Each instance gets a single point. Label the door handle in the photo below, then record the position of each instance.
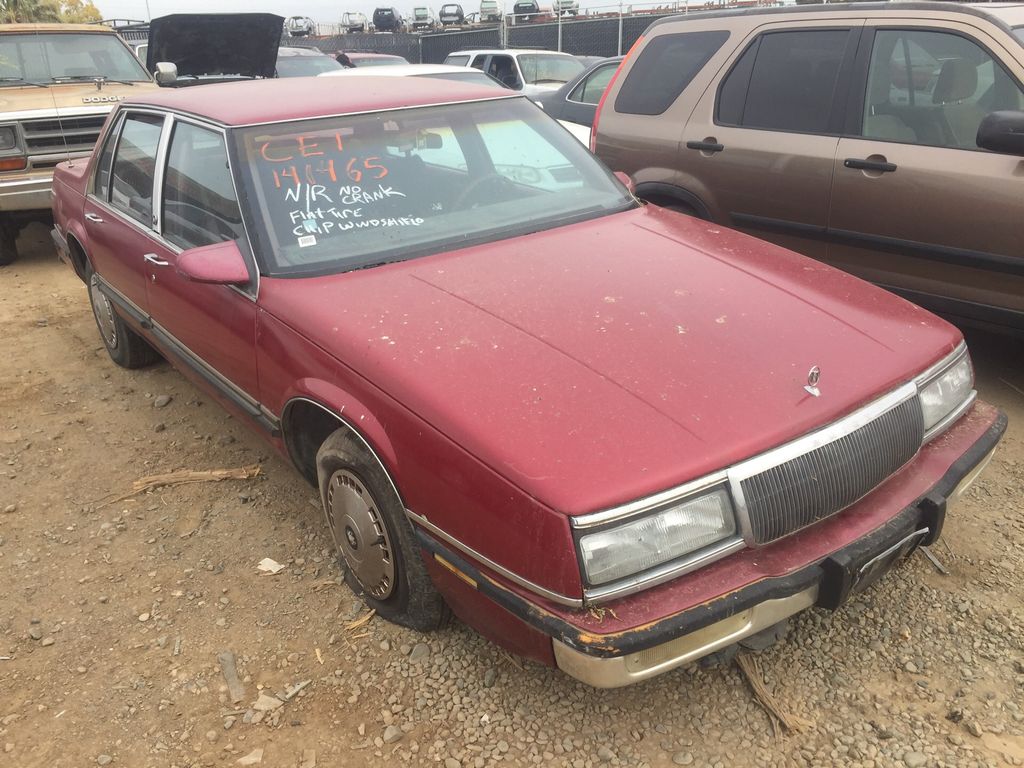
(869, 165)
(705, 146)
(93, 217)
(155, 260)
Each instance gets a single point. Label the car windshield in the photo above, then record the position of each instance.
(419, 13)
(341, 193)
(71, 56)
(457, 61)
(306, 66)
(544, 68)
(378, 61)
(453, 9)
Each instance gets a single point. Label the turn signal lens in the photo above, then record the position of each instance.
(13, 164)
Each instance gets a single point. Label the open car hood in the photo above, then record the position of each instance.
(204, 44)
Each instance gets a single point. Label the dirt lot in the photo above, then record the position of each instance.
(112, 615)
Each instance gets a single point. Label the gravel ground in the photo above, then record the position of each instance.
(113, 615)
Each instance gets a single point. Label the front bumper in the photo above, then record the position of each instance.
(29, 191)
(586, 650)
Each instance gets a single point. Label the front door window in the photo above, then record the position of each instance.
(933, 88)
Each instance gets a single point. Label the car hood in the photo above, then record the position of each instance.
(601, 362)
(216, 43)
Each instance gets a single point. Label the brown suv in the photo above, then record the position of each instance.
(885, 139)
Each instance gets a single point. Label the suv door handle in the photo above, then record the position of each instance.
(705, 146)
(869, 165)
(93, 217)
(155, 260)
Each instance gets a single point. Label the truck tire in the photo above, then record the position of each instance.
(8, 244)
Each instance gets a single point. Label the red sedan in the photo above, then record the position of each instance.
(612, 438)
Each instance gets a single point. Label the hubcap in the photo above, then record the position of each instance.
(359, 534)
(104, 313)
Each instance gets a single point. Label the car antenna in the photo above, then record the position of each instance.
(53, 98)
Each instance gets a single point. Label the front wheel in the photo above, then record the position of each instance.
(373, 538)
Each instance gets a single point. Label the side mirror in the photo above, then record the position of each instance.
(166, 73)
(219, 264)
(1002, 132)
(627, 181)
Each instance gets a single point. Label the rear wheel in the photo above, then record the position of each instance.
(375, 543)
(125, 346)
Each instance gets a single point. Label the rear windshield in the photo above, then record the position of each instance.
(665, 67)
(525, 7)
(456, 9)
(545, 68)
(419, 13)
(349, 192)
(306, 66)
(47, 58)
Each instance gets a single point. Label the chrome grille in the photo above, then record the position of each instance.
(48, 135)
(829, 478)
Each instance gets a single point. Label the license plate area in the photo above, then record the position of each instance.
(881, 563)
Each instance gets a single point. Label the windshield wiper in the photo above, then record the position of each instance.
(20, 81)
(89, 78)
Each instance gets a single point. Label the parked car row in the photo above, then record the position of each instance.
(612, 437)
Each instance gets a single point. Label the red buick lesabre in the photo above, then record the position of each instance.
(610, 437)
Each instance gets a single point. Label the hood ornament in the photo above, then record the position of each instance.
(813, 377)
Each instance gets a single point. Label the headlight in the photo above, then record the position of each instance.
(943, 394)
(8, 138)
(638, 545)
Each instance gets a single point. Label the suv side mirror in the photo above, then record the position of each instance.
(166, 73)
(219, 264)
(1002, 132)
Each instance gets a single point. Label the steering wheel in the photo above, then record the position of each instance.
(473, 186)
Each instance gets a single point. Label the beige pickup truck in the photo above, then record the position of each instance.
(58, 82)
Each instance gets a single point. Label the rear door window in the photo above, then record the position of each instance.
(131, 189)
(664, 68)
(101, 183)
(786, 81)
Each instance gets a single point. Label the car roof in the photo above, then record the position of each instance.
(1000, 13)
(369, 55)
(290, 51)
(272, 100)
(399, 70)
(510, 51)
(8, 29)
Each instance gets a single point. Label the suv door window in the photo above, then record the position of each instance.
(200, 207)
(479, 61)
(593, 86)
(933, 88)
(786, 81)
(664, 68)
(131, 189)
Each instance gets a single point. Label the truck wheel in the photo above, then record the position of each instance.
(376, 546)
(125, 346)
(8, 244)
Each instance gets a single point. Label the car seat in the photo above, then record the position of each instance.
(958, 82)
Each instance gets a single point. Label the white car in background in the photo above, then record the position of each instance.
(533, 72)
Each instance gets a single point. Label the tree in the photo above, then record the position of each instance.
(27, 11)
(79, 12)
(48, 11)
